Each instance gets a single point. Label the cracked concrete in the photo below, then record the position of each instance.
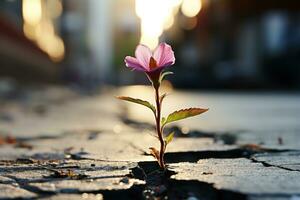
(63, 145)
(289, 160)
(241, 175)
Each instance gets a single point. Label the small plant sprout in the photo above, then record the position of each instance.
(153, 64)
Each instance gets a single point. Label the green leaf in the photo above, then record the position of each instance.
(169, 138)
(163, 120)
(163, 75)
(184, 113)
(138, 101)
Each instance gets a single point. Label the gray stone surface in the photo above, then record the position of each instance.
(65, 145)
(287, 160)
(241, 175)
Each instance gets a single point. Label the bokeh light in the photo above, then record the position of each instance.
(39, 26)
(191, 8)
(32, 11)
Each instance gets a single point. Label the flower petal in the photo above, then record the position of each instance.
(133, 63)
(143, 55)
(164, 55)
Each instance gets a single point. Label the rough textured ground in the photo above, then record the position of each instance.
(59, 144)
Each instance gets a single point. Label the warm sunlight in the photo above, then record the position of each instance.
(150, 99)
(155, 15)
(32, 11)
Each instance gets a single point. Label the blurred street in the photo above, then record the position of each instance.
(57, 144)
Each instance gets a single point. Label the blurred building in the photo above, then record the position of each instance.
(20, 57)
(244, 44)
(218, 43)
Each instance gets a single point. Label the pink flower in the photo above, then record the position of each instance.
(146, 61)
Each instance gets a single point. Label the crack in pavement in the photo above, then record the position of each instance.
(195, 156)
(160, 184)
(266, 164)
(133, 192)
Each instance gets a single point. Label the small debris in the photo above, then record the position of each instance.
(7, 140)
(40, 110)
(93, 135)
(207, 173)
(68, 150)
(48, 156)
(78, 155)
(252, 147)
(25, 161)
(228, 138)
(280, 140)
(124, 180)
(68, 173)
(10, 140)
(24, 145)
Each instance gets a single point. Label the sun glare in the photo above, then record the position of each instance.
(158, 15)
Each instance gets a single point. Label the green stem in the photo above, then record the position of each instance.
(159, 130)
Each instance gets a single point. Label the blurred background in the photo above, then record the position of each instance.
(219, 44)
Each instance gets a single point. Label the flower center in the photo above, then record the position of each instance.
(152, 63)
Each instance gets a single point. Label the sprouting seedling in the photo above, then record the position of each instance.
(153, 65)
